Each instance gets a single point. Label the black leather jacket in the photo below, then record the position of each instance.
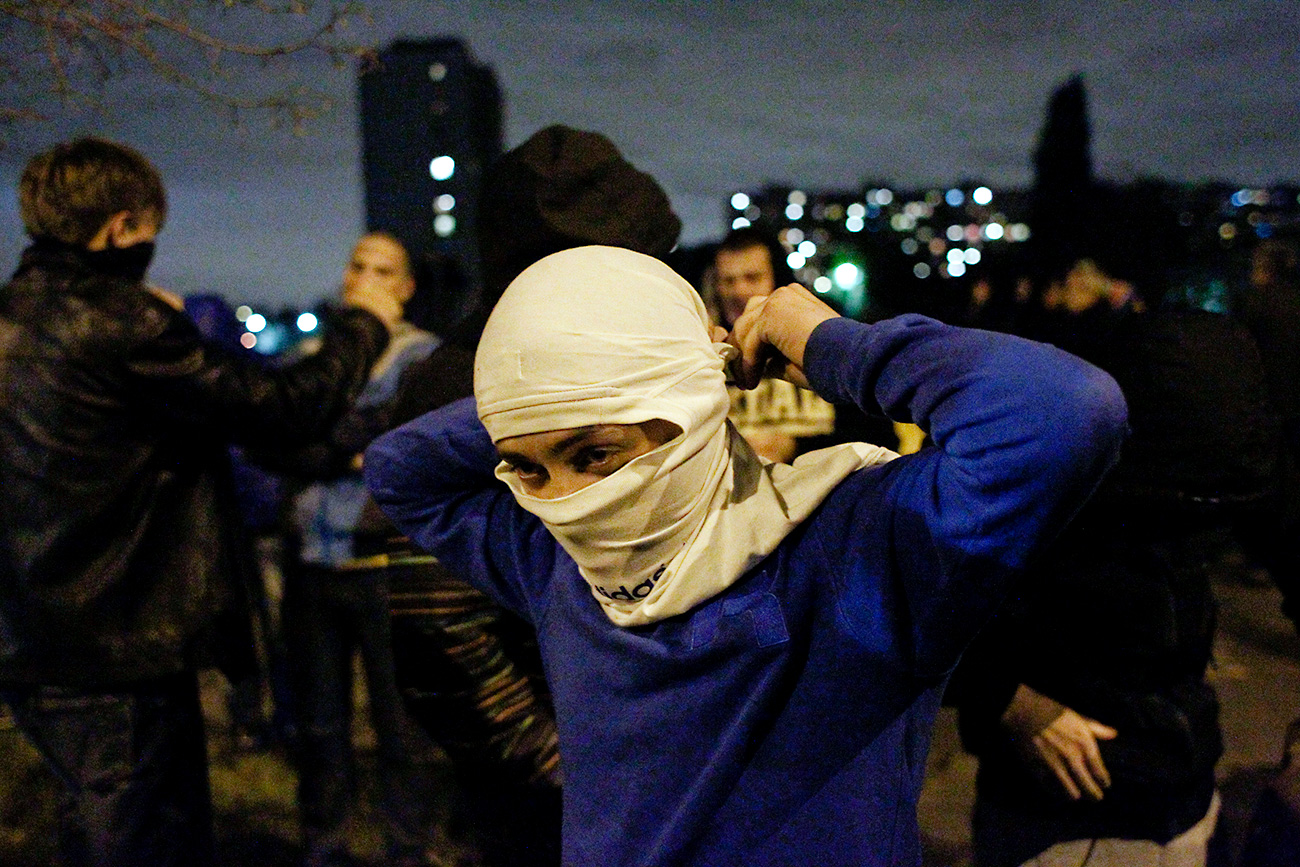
(116, 517)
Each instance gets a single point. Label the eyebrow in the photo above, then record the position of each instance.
(560, 447)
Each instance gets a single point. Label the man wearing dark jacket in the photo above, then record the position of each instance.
(117, 521)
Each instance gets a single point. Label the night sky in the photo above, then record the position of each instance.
(715, 97)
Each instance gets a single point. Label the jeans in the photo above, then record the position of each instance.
(328, 615)
(133, 766)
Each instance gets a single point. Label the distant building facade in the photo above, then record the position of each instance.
(431, 124)
(879, 250)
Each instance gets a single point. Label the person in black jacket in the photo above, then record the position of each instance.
(118, 522)
(1085, 698)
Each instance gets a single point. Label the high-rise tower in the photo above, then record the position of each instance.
(430, 125)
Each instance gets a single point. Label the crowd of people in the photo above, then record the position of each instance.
(673, 574)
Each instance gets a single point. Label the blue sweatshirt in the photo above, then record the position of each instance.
(786, 721)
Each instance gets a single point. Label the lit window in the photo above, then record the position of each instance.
(902, 222)
(441, 168)
(740, 201)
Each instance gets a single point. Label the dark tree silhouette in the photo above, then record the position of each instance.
(58, 54)
(1063, 197)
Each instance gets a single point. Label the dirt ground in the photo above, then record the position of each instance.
(1256, 672)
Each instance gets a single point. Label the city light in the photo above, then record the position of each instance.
(981, 195)
(307, 322)
(797, 197)
(993, 231)
(740, 223)
(956, 269)
(255, 323)
(847, 275)
(1018, 232)
(444, 225)
(793, 211)
(740, 201)
(857, 209)
(855, 224)
(242, 312)
(808, 249)
(954, 197)
(921, 270)
(441, 168)
(796, 260)
(910, 246)
(248, 341)
(793, 237)
(445, 202)
(972, 256)
(822, 285)
(955, 233)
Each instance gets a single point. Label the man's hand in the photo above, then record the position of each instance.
(1066, 745)
(772, 332)
(378, 301)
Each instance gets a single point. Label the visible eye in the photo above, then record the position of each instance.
(530, 474)
(601, 460)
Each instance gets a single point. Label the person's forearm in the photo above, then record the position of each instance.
(1026, 430)
(414, 470)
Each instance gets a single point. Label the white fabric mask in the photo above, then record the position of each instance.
(603, 335)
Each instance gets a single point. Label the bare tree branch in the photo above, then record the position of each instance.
(64, 51)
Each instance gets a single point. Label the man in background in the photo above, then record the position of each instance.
(337, 600)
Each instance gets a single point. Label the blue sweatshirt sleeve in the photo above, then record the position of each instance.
(1022, 434)
(433, 478)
